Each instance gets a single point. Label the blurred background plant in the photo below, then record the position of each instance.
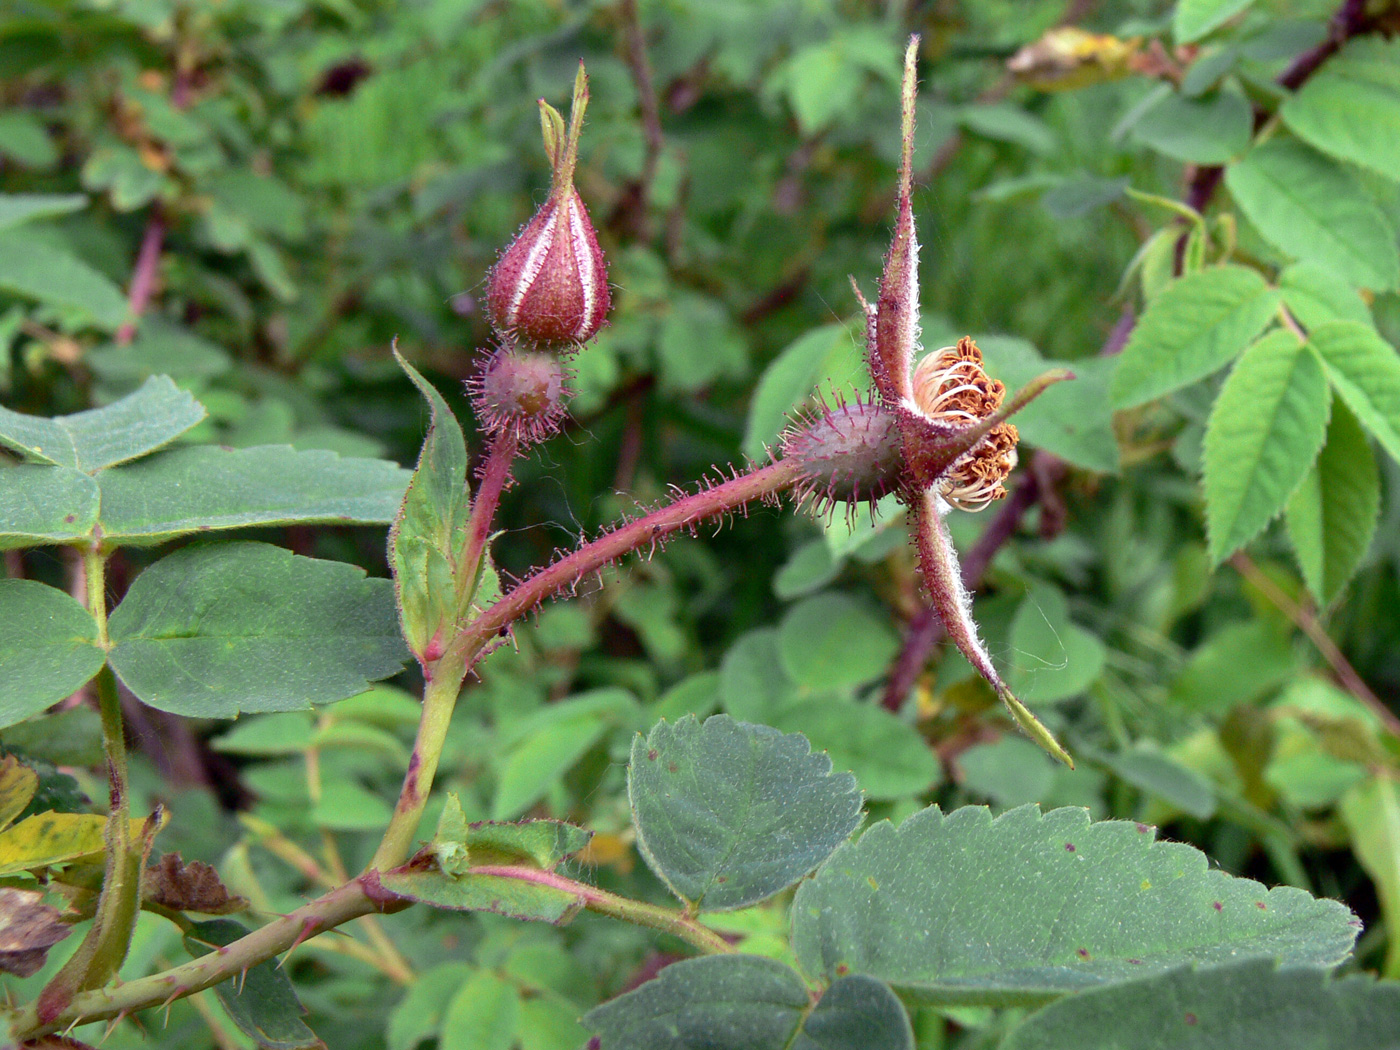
(256, 196)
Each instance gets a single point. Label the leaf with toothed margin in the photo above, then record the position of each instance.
(260, 1000)
(1248, 1005)
(963, 909)
(533, 897)
(747, 1002)
(728, 813)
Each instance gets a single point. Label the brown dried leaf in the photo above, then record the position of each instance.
(28, 929)
(195, 886)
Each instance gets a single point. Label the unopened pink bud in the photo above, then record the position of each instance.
(551, 286)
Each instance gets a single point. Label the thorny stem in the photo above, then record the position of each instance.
(639, 913)
(590, 558)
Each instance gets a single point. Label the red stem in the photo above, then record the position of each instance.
(590, 558)
(495, 475)
(143, 277)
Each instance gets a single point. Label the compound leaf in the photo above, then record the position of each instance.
(42, 504)
(964, 909)
(1350, 108)
(728, 813)
(1365, 370)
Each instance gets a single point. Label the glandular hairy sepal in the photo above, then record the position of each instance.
(521, 393)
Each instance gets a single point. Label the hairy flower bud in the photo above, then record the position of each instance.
(848, 454)
(550, 287)
(520, 392)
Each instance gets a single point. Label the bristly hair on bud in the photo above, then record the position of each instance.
(849, 453)
(550, 286)
(521, 393)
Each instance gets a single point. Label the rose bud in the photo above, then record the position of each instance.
(550, 287)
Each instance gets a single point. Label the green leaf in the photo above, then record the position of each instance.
(48, 648)
(832, 640)
(1180, 786)
(260, 1000)
(1371, 812)
(963, 909)
(1332, 516)
(482, 1015)
(1236, 665)
(213, 631)
(1208, 129)
(1350, 108)
(745, 1002)
(1247, 1005)
(1311, 209)
(1193, 19)
(35, 270)
(1010, 771)
(41, 504)
(1193, 328)
(1264, 433)
(205, 488)
(548, 743)
(1053, 658)
(1004, 122)
(729, 813)
(826, 358)
(19, 208)
(716, 1002)
(420, 1011)
(430, 529)
(1316, 295)
(1365, 370)
(141, 422)
(159, 347)
(887, 755)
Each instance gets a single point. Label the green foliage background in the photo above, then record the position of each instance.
(326, 176)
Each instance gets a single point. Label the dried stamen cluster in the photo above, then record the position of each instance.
(950, 386)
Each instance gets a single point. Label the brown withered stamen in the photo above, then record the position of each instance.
(950, 386)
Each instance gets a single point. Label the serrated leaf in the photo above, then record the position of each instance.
(1312, 209)
(36, 270)
(1264, 433)
(1332, 516)
(1316, 295)
(28, 929)
(963, 909)
(41, 504)
(729, 813)
(1350, 108)
(1195, 18)
(260, 1000)
(430, 528)
(17, 208)
(1195, 327)
(1365, 370)
(1208, 129)
(459, 845)
(832, 640)
(48, 648)
(745, 1002)
(143, 421)
(212, 631)
(1248, 1005)
(207, 488)
(887, 755)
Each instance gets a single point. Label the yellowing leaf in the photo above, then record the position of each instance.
(46, 839)
(17, 786)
